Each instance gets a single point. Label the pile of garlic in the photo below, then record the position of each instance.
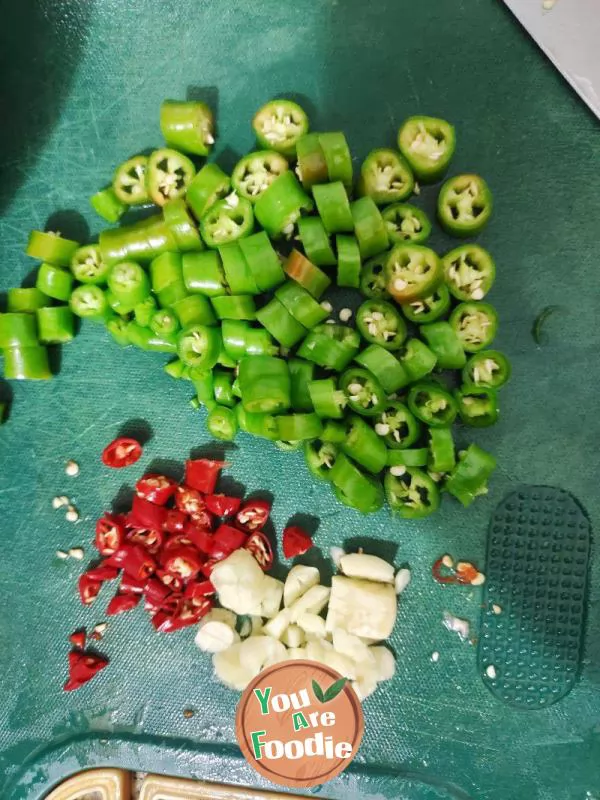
(339, 627)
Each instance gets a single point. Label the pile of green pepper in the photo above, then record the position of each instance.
(205, 279)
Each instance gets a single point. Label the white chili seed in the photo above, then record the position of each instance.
(62, 555)
(496, 608)
(381, 429)
(59, 502)
(490, 671)
(448, 561)
(345, 314)
(72, 469)
(399, 284)
(326, 306)
(435, 657)
(477, 294)
(72, 514)
(77, 553)
(398, 471)
(209, 139)
(478, 580)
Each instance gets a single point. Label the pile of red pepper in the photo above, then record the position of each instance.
(164, 549)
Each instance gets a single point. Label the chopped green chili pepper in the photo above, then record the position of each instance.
(373, 281)
(306, 274)
(52, 248)
(369, 227)
(209, 185)
(333, 207)
(488, 368)
(327, 400)
(412, 271)
(428, 145)
(175, 369)
(129, 182)
(330, 346)
(237, 306)
(263, 261)
(312, 167)
(364, 393)
(349, 262)
(116, 305)
(470, 476)
(107, 205)
(199, 346)
(265, 384)
(298, 427)
(168, 174)
(204, 386)
(412, 495)
(237, 272)
(390, 373)
(18, 329)
(539, 321)
(226, 221)
(380, 323)
(397, 426)
(129, 284)
(386, 177)
(142, 241)
(54, 282)
(315, 242)
(337, 157)
(26, 301)
(417, 359)
(26, 363)
(432, 404)
(165, 270)
(143, 311)
(222, 423)
(300, 304)
(195, 309)
(203, 273)
(90, 302)
(443, 341)
(464, 205)
(441, 446)
(334, 432)
(477, 406)
(183, 228)
(301, 375)
(320, 457)
(263, 425)
(280, 206)
(406, 223)
(364, 446)
(355, 489)
(469, 272)
(188, 126)
(164, 322)
(417, 457)
(223, 388)
(279, 124)
(280, 323)
(475, 324)
(240, 339)
(117, 327)
(146, 339)
(56, 324)
(254, 173)
(430, 308)
(87, 265)
(172, 294)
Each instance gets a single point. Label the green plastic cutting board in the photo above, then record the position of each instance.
(82, 82)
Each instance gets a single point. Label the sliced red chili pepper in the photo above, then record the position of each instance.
(177, 540)
(295, 541)
(260, 547)
(253, 514)
(225, 540)
(199, 537)
(203, 519)
(182, 562)
(189, 500)
(187, 613)
(440, 572)
(122, 603)
(222, 504)
(203, 473)
(163, 618)
(82, 668)
(103, 573)
(132, 558)
(110, 534)
(175, 521)
(156, 488)
(77, 639)
(121, 452)
(155, 593)
(89, 589)
(196, 591)
(151, 540)
(131, 585)
(172, 582)
(207, 567)
(466, 572)
(145, 514)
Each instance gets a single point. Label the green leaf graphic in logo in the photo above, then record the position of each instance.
(334, 689)
(318, 692)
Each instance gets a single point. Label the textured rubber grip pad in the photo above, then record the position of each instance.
(537, 563)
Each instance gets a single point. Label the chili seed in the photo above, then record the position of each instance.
(326, 306)
(59, 502)
(435, 657)
(77, 553)
(72, 514)
(188, 713)
(72, 469)
(490, 671)
(345, 314)
(398, 471)
(62, 555)
(478, 580)
(496, 608)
